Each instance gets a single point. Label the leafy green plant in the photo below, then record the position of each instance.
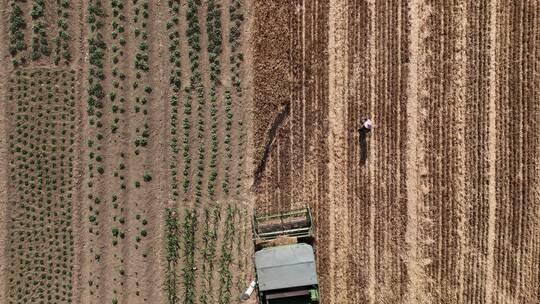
(172, 229)
(147, 177)
(16, 32)
(225, 276)
(189, 229)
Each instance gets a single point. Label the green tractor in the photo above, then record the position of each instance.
(285, 258)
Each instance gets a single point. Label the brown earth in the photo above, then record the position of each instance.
(119, 218)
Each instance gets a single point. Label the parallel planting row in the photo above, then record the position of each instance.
(206, 153)
(39, 29)
(119, 94)
(207, 117)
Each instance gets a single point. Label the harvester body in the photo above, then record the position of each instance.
(285, 258)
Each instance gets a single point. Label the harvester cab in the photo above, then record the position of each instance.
(285, 258)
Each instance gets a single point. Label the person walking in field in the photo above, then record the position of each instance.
(366, 126)
(364, 130)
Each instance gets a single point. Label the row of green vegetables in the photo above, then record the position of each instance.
(39, 24)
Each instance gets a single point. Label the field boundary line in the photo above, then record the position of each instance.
(4, 214)
(492, 154)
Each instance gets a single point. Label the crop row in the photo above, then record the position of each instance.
(41, 145)
(174, 80)
(95, 105)
(236, 59)
(225, 276)
(142, 67)
(190, 226)
(40, 45)
(172, 229)
(241, 243)
(17, 25)
(116, 95)
(62, 38)
(213, 28)
(209, 236)
(117, 104)
(193, 36)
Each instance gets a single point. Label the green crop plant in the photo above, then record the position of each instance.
(236, 18)
(147, 177)
(225, 276)
(62, 38)
(195, 85)
(172, 231)
(16, 31)
(39, 38)
(213, 28)
(189, 229)
(96, 92)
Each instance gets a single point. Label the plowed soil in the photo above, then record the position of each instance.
(445, 209)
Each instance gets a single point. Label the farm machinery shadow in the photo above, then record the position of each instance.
(270, 137)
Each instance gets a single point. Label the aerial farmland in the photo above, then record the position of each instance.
(140, 137)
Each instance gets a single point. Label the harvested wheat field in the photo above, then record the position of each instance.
(138, 138)
(446, 207)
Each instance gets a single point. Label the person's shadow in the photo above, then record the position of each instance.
(363, 145)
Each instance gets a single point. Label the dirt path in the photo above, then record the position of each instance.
(490, 265)
(337, 92)
(86, 249)
(79, 44)
(466, 240)
(416, 285)
(156, 198)
(4, 214)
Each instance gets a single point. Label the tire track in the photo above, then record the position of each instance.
(338, 92)
(493, 95)
(417, 289)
